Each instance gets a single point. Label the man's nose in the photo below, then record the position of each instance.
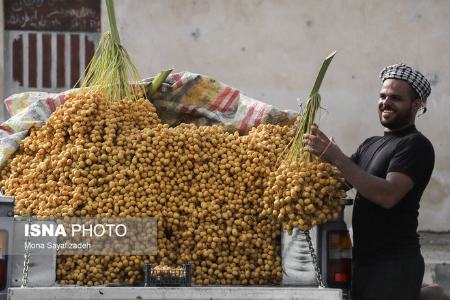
(386, 101)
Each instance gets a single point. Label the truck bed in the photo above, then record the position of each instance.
(141, 293)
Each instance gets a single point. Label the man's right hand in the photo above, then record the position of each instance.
(320, 145)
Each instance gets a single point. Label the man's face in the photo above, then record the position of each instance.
(396, 106)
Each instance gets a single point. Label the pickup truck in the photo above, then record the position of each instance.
(303, 268)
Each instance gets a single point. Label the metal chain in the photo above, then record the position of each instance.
(26, 258)
(317, 271)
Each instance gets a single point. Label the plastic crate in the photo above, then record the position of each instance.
(167, 277)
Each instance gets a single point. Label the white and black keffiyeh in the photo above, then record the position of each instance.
(401, 71)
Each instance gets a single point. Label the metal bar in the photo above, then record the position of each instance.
(39, 61)
(82, 55)
(53, 72)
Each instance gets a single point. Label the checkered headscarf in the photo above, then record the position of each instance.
(401, 71)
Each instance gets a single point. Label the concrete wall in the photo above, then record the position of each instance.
(272, 50)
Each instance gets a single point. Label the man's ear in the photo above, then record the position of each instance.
(417, 104)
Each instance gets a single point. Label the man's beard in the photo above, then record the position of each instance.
(401, 119)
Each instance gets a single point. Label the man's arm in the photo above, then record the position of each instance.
(384, 192)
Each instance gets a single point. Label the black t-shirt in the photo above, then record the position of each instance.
(381, 232)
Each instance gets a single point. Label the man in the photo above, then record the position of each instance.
(390, 173)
